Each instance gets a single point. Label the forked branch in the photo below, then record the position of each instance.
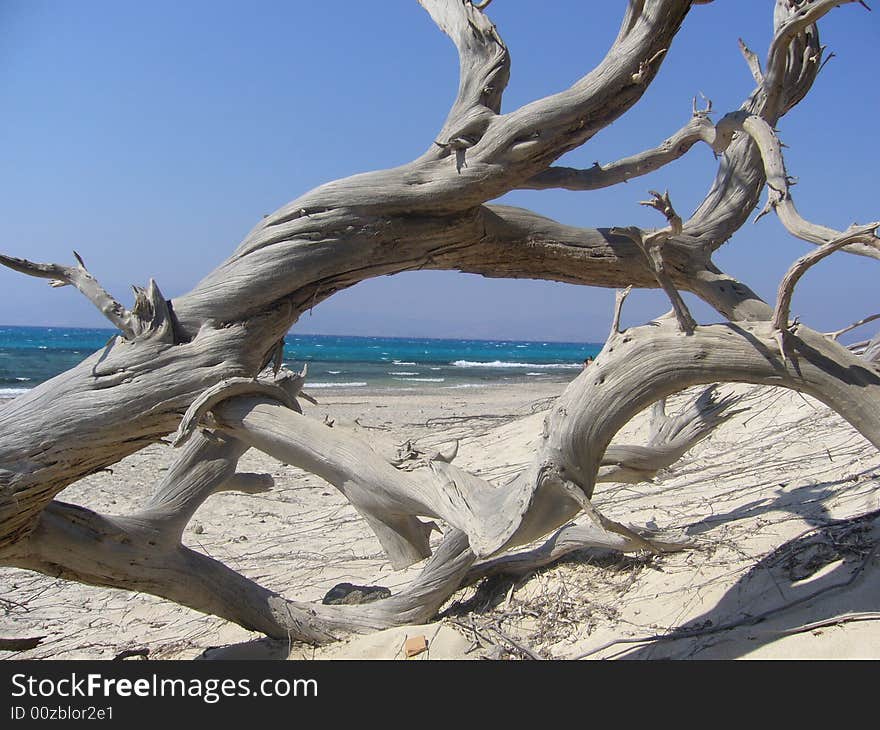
(421, 215)
(794, 23)
(671, 438)
(862, 240)
(651, 245)
(80, 278)
(855, 325)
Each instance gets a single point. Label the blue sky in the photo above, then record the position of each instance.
(152, 136)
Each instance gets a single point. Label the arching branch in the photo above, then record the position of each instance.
(800, 267)
(204, 352)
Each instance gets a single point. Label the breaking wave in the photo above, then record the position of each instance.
(503, 364)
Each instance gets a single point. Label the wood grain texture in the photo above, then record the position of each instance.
(208, 353)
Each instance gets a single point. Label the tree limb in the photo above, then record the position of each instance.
(671, 438)
(484, 71)
(80, 278)
(800, 267)
(779, 198)
(789, 25)
(849, 328)
(753, 61)
(426, 214)
(699, 128)
(565, 541)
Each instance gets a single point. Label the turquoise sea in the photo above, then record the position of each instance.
(31, 355)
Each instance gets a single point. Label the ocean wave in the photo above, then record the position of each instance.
(504, 364)
(309, 386)
(402, 372)
(423, 380)
(401, 362)
(12, 392)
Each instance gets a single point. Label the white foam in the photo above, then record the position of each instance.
(503, 364)
(402, 362)
(309, 386)
(402, 372)
(12, 392)
(423, 380)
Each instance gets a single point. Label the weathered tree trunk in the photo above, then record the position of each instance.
(202, 352)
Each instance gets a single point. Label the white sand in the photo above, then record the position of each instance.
(783, 469)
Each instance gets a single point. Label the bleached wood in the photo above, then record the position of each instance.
(849, 328)
(860, 239)
(872, 350)
(201, 354)
(565, 541)
(390, 499)
(671, 437)
(753, 62)
(79, 277)
(800, 267)
(699, 128)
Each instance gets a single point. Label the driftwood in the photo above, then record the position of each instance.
(205, 366)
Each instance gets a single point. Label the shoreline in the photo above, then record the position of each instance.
(417, 389)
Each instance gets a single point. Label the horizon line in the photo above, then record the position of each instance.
(336, 334)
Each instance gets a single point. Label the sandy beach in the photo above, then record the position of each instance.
(778, 569)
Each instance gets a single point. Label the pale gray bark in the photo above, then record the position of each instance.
(670, 439)
(192, 364)
(566, 540)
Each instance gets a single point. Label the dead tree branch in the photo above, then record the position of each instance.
(193, 365)
(800, 267)
(855, 325)
(79, 277)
